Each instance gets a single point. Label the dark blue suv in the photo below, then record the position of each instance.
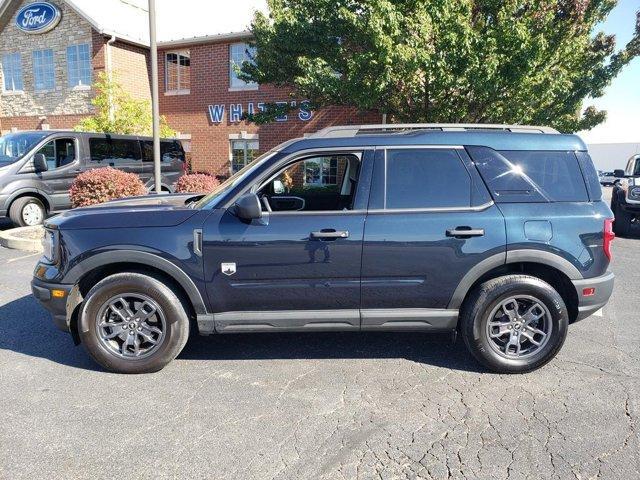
(498, 233)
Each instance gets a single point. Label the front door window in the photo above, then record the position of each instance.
(313, 184)
(59, 152)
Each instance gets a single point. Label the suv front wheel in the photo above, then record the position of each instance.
(514, 324)
(133, 323)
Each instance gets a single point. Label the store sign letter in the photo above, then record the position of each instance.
(236, 110)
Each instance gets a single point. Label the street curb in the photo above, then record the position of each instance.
(11, 239)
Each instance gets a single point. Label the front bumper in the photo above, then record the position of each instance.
(589, 304)
(57, 306)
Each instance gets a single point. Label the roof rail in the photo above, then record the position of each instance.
(399, 128)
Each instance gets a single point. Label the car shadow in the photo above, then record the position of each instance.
(429, 349)
(26, 328)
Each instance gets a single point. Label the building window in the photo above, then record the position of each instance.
(12, 71)
(243, 152)
(178, 72)
(238, 54)
(43, 74)
(321, 172)
(79, 65)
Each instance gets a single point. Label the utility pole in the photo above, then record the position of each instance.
(154, 96)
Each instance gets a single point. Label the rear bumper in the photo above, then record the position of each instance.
(588, 305)
(56, 306)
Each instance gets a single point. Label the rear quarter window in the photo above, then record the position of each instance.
(169, 151)
(531, 176)
(557, 174)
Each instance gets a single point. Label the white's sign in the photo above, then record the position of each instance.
(219, 112)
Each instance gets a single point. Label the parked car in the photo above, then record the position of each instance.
(489, 232)
(607, 178)
(37, 168)
(625, 198)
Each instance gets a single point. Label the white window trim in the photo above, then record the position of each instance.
(179, 91)
(238, 88)
(81, 86)
(53, 72)
(249, 87)
(320, 183)
(172, 93)
(13, 91)
(242, 137)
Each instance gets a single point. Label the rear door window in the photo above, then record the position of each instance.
(114, 150)
(426, 178)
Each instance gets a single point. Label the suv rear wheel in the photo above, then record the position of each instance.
(133, 323)
(514, 324)
(27, 212)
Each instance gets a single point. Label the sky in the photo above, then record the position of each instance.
(622, 98)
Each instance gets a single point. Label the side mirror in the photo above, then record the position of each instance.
(618, 173)
(40, 163)
(248, 207)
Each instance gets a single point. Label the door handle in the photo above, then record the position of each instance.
(329, 235)
(465, 232)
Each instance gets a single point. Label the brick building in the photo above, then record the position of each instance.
(47, 76)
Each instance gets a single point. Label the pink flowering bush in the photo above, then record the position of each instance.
(196, 183)
(103, 184)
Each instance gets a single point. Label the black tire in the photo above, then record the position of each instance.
(176, 323)
(481, 303)
(622, 219)
(18, 207)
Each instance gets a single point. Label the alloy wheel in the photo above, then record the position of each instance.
(131, 326)
(519, 327)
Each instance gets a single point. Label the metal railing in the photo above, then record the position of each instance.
(354, 130)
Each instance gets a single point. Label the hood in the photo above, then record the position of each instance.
(147, 211)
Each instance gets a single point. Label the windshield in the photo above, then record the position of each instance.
(15, 146)
(234, 180)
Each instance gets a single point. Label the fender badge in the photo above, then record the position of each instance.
(228, 268)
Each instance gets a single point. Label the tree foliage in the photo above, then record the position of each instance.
(511, 61)
(118, 112)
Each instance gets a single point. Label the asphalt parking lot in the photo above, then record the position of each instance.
(293, 406)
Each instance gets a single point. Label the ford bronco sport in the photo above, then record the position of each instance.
(498, 233)
(625, 198)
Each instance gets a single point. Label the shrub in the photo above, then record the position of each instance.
(196, 183)
(104, 184)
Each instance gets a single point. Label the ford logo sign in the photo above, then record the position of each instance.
(38, 17)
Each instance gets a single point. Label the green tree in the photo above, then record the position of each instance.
(511, 61)
(118, 112)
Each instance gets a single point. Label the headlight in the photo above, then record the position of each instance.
(50, 244)
(634, 193)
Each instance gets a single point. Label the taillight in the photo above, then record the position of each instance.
(608, 237)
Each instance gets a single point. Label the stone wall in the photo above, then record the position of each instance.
(63, 100)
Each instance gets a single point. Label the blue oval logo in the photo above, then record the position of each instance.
(38, 17)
